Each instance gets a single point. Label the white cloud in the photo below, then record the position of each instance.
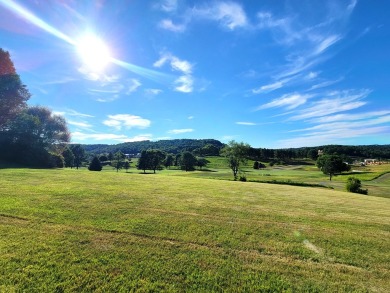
(133, 86)
(167, 5)
(71, 112)
(288, 101)
(153, 92)
(126, 120)
(336, 136)
(190, 117)
(349, 117)
(180, 131)
(229, 14)
(183, 83)
(79, 124)
(176, 63)
(326, 43)
(268, 87)
(335, 102)
(325, 84)
(80, 136)
(181, 65)
(311, 75)
(170, 26)
(246, 123)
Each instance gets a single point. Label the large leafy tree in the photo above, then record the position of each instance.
(169, 160)
(13, 94)
(332, 165)
(68, 157)
(187, 161)
(78, 153)
(118, 161)
(156, 159)
(35, 136)
(236, 155)
(143, 161)
(151, 159)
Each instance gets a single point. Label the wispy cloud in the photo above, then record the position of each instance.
(180, 131)
(246, 123)
(325, 84)
(268, 87)
(183, 83)
(71, 112)
(308, 43)
(287, 101)
(168, 24)
(80, 136)
(153, 92)
(349, 117)
(79, 124)
(134, 84)
(229, 15)
(167, 5)
(338, 136)
(128, 121)
(334, 102)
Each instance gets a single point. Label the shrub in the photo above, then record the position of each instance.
(354, 185)
(242, 178)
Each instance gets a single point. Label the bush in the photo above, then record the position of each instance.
(354, 185)
(242, 178)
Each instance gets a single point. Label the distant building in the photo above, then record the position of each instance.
(320, 152)
(370, 161)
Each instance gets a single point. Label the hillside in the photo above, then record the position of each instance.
(75, 230)
(176, 146)
(170, 146)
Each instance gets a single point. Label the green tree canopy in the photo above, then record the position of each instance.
(155, 159)
(95, 164)
(187, 161)
(34, 136)
(79, 154)
(332, 165)
(118, 161)
(143, 161)
(236, 155)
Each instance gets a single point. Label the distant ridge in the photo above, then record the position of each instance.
(173, 146)
(176, 146)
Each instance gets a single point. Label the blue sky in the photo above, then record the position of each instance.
(274, 74)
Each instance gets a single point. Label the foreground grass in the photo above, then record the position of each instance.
(69, 230)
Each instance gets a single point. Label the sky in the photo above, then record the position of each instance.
(274, 74)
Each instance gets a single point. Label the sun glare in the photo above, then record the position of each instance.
(93, 52)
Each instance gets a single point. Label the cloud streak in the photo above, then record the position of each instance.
(180, 131)
(287, 101)
(128, 121)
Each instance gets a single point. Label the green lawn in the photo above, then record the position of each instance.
(75, 230)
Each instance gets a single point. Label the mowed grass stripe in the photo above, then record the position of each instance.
(202, 234)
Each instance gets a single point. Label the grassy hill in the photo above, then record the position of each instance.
(75, 230)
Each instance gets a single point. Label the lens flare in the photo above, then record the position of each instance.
(93, 52)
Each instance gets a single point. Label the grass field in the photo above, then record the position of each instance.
(81, 231)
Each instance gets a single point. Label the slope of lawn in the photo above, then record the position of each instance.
(81, 231)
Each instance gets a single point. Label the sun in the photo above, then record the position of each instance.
(94, 53)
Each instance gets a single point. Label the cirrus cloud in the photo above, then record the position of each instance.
(128, 121)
